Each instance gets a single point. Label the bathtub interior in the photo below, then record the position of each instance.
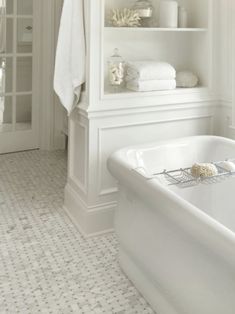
(180, 153)
(216, 200)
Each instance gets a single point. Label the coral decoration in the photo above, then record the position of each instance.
(125, 18)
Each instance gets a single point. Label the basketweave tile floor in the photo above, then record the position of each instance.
(46, 266)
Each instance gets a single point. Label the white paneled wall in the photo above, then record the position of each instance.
(224, 62)
(224, 46)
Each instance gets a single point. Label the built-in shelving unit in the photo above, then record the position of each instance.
(107, 120)
(184, 48)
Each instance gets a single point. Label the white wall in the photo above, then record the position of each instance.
(52, 113)
(224, 46)
(60, 114)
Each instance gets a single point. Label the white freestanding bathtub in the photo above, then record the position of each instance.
(177, 245)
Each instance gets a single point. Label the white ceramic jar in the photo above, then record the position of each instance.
(168, 14)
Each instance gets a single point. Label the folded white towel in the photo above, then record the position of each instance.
(70, 55)
(151, 85)
(150, 70)
(186, 79)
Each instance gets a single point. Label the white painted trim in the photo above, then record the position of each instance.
(91, 220)
(82, 186)
(94, 114)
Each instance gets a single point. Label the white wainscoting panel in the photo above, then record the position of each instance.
(91, 192)
(117, 136)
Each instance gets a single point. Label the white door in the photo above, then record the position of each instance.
(19, 73)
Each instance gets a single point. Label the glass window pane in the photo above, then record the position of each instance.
(24, 74)
(6, 114)
(9, 7)
(24, 7)
(23, 112)
(6, 66)
(24, 35)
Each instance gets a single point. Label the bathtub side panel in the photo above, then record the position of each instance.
(191, 278)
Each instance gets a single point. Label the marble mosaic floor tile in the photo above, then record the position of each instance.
(46, 266)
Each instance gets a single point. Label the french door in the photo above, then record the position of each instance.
(19, 76)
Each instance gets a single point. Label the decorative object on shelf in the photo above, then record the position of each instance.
(168, 11)
(186, 79)
(145, 10)
(145, 76)
(125, 18)
(116, 70)
(183, 18)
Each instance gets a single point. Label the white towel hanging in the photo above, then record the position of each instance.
(70, 56)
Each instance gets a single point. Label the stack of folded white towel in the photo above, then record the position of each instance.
(145, 76)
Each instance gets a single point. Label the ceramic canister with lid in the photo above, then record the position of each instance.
(168, 11)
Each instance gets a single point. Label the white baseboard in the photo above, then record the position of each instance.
(90, 220)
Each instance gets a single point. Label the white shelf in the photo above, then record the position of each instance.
(126, 93)
(155, 29)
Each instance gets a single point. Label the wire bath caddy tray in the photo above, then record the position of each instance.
(183, 178)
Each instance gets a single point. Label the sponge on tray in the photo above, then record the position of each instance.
(204, 170)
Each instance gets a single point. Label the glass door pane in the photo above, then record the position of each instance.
(24, 7)
(24, 35)
(9, 6)
(16, 64)
(6, 34)
(18, 114)
(6, 75)
(6, 114)
(23, 112)
(24, 74)
(9, 35)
